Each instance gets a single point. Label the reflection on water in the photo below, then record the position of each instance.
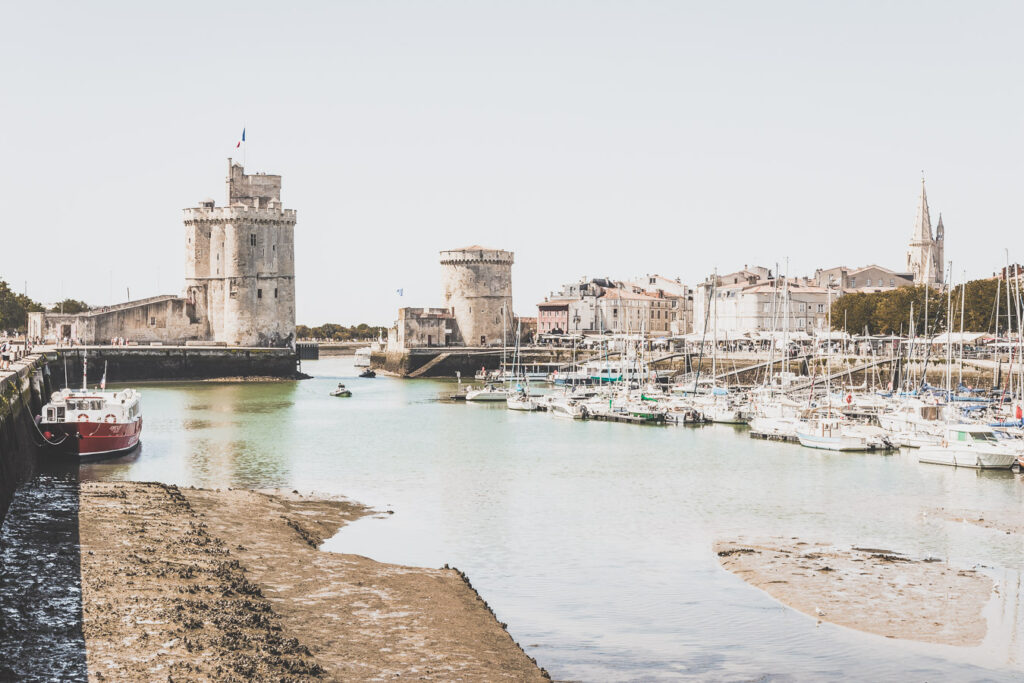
(593, 540)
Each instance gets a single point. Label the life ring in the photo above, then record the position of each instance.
(849, 399)
(83, 418)
(110, 418)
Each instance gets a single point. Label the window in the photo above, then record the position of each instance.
(275, 292)
(152, 321)
(867, 283)
(821, 308)
(853, 282)
(259, 293)
(252, 239)
(892, 282)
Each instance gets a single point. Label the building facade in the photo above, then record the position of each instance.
(867, 279)
(734, 306)
(603, 305)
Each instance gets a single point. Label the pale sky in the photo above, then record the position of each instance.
(591, 138)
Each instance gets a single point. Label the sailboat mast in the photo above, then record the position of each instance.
(963, 299)
(949, 332)
(714, 332)
(1009, 317)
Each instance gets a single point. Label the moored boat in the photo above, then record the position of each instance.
(92, 423)
(967, 445)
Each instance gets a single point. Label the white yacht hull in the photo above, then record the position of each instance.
(965, 457)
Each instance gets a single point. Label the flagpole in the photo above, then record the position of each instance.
(244, 146)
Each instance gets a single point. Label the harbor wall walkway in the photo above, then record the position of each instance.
(21, 392)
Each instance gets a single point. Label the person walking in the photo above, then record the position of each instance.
(5, 355)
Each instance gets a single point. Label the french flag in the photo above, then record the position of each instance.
(242, 140)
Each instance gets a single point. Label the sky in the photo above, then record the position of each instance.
(597, 139)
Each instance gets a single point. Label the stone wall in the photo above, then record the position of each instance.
(406, 362)
(166, 319)
(21, 393)
(126, 364)
(426, 327)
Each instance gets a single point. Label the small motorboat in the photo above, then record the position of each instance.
(367, 373)
(341, 391)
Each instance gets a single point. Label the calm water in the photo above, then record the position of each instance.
(593, 540)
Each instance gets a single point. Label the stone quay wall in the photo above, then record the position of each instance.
(21, 396)
(446, 362)
(139, 363)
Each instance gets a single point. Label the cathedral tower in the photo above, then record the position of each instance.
(924, 257)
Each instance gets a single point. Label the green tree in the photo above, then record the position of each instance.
(889, 312)
(70, 307)
(336, 332)
(14, 309)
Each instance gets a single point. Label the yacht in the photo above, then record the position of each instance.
(489, 392)
(974, 446)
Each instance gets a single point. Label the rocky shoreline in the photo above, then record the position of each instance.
(188, 584)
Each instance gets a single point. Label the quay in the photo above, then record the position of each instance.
(184, 362)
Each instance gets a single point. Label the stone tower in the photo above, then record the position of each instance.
(477, 285)
(240, 262)
(924, 257)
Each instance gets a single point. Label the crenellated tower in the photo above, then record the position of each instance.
(477, 284)
(240, 262)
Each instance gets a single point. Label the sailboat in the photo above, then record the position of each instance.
(519, 399)
(832, 432)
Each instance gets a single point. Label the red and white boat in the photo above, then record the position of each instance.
(92, 423)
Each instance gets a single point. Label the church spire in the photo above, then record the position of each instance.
(923, 222)
(940, 230)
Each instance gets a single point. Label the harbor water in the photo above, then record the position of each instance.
(593, 541)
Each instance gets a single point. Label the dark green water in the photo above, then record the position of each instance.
(593, 540)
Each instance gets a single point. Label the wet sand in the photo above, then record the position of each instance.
(869, 589)
(1005, 521)
(229, 585)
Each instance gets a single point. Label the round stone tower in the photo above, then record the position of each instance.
(477, 285)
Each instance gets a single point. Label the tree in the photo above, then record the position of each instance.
(14, 309)
(336, 332)
(70, 307)
(889, 312)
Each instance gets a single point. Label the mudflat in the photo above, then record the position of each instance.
(868, 589)
(183, 584)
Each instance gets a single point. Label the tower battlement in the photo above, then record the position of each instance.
(477, 255)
